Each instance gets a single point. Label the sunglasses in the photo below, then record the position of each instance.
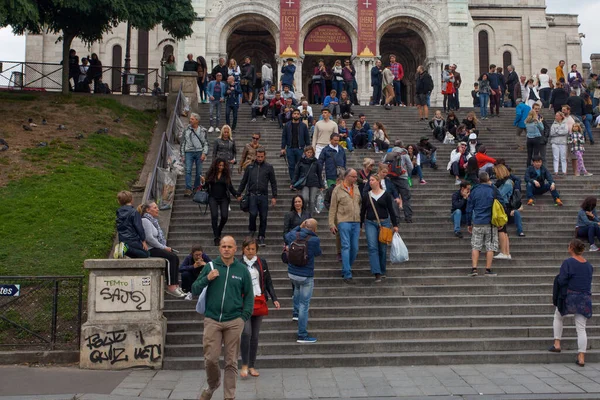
(255, 138)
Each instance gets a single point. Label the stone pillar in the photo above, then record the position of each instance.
(595, 61)
(125, 327)
(298, 79)
(585, 70)
(363, 79)
(190, 89)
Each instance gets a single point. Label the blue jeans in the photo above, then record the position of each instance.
(417, 170)
(431, 159)
(293, 156)
(518, 221)
(397, 92)
(230, 109)
(303, 291)
(456, 100)
(258, 205)
(266, 86)
(587, 121)
(377, 250)
(458, 218)
(532, 190)
(191, 158)
(590, 231)
(349, 233)
(429, 99)
(506, 190)
(336, 85)
(349, 144)
(215, 105)
(376, 94)
(545, 96)
(483, 102)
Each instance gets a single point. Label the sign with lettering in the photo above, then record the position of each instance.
(121, 346)
(328, 40)
(289, 33)
(367, 28)
(10, 290)
(122, 293)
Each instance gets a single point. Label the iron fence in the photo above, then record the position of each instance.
(41, 312)
(168, 138)
(37, 76)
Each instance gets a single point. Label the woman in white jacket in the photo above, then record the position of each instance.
(559, 132)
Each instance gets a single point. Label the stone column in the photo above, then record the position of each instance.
(585, 70)
(363, 79)
(190, 89)
(595, 61)
(125, 327)
(298, 78)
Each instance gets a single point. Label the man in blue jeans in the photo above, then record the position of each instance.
(459, 207)
(193, 151)
(302, 276)
(232, 102)
(294, 138)
(344, 217)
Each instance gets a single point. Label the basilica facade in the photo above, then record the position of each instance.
(469, 33)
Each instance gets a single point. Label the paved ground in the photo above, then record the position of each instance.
(469, 382)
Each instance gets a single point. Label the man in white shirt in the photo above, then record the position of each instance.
(306, 113)
(323, 131)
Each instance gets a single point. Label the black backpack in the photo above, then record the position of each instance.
(515, 199)
(298, 251)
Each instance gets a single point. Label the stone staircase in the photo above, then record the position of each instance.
(428, 311)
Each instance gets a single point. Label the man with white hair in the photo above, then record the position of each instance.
(306, 112)
(193, 150)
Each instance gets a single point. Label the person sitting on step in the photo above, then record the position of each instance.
(485, 162)
(458, 212)
(539, 181)
(191, 267)
(588, 223)
(458, 162)
(427, 152)
(438, 126)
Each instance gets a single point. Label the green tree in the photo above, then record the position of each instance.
(89, 20)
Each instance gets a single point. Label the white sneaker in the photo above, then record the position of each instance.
(264, 117)
(211, 130)
(588, 174)
(218, 130)
(189, 296)
(501, 256)
(457, 182)
(594, 248)
(253, 120)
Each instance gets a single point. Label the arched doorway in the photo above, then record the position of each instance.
(250, 36)
(410, 51)
(328, 43)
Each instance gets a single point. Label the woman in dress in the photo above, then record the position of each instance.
(377, 211)
(157, 246)
(573, 297)
(263, 288)
(225, 146)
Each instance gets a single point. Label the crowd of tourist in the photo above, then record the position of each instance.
(376, 198)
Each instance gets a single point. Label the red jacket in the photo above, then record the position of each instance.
(483, 159)
(280, 103)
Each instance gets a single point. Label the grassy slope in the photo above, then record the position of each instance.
(50, 223)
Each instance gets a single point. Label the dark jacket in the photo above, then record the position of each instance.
(458, 202)
(375, 76)
(559, 295)
(232, 95)
(452, 124)
(313, 179)
(257, 178)
(129, 226)
(224, 149)
(222, 69)
(188, 262)
(247, 72)
(219, 187)
(479, 204)
(287, 75)
(190, 66)
(511, 81)
(230, 295)
(331, 159)
(426, 147)
(314, 250)
(384, 206)
(292, 220)
(558, 97)
(424, 83)
(545, 175)
(577, 105)
(363, 179)
(303, 136)
(265, 281)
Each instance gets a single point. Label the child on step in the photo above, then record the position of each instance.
(576, 140)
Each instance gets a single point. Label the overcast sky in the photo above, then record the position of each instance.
(13, 47)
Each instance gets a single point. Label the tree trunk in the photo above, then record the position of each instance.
(67, 40)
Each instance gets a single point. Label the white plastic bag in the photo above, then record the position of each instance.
(320, 206)
(399, 252)
(173, 161)
(165, 188)
(201, 304)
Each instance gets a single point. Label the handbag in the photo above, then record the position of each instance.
(260, 302)
(385, 234)
(201, 197)
(245, 203)
(201, 304)
(316, 78)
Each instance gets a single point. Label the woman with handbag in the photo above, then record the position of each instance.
(262, 285)
(576, 277)
(378, 215)
(218, 186)
(307, 177)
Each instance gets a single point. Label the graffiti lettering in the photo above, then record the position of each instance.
(151, 351)
(95, 341)
(124, 296)
(114, 355)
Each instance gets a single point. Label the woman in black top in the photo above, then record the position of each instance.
(296, 215)
(95, 72)
(558, 97)
(384, 209)
(307, 177)
(452, 123)
(218, 185)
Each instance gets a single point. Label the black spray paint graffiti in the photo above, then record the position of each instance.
(124, 296)
(113, 354)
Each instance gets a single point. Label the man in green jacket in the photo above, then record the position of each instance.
(229, 304)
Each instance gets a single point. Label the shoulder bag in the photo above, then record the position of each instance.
(385, 234)
(201, 304)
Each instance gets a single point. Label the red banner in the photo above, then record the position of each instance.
(328, 40)
(367, 28)
(289, 27)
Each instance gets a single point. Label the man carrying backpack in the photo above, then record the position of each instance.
(399, 169)
(303, 246)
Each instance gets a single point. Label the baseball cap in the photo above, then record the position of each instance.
(472, 136)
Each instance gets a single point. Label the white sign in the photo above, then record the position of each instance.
(122, 293)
